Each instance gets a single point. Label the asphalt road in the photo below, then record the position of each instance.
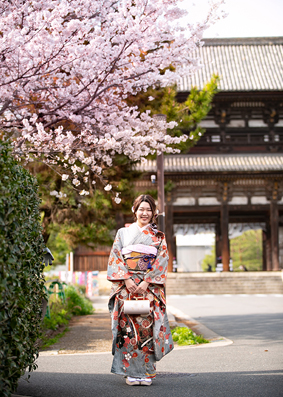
(251, 367)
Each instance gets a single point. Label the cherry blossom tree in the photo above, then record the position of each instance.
(67, 67)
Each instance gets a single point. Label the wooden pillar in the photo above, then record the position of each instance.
(225, 236)
(268, 248)
(264, 263)
(174, 248)
(274, 229)
(169, 234)
(224, 224)
(218, 250)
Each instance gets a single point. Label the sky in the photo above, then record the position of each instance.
(247, 18)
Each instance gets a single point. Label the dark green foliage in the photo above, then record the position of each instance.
(185, 336)
(21, 280)
(72, 219)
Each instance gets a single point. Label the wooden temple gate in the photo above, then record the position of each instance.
(234, 175)
(235, 172)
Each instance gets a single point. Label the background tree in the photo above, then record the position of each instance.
(245, 250)
(186, 115)
(209, 259)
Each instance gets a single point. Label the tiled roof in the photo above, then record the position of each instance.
(250, 64)
(217, 162)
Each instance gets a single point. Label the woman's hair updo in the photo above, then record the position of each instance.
(144, 198)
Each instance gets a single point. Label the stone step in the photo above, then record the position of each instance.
(224, 283)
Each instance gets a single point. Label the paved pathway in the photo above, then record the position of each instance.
(87, 334)
(243, 369)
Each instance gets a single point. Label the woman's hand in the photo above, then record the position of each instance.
(131, 286)
(141, 288)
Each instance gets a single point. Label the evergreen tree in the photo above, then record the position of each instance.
(188, 114)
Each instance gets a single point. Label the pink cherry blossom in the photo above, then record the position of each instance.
(67, 66)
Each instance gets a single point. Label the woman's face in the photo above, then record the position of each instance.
(144, 214)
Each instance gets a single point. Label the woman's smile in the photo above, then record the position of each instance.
(144, 214)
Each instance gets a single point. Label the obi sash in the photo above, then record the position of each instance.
(139, 257)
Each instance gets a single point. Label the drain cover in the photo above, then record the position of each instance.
(173, 374)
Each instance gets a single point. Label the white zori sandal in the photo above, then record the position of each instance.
(146, 382)
(138, 381)
(133, 381)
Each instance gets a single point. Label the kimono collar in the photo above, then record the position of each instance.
(142, 228)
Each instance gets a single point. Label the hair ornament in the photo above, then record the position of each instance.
(133, 210)
(154, 228)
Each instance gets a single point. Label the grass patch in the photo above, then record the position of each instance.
(185, 336)
(47, 342)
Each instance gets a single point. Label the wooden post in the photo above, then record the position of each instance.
(218, 249)
(268, 248)
(264, 263)
(174, 247)
(225, 236)
(160, 176)
(169, 234)
(274, 229)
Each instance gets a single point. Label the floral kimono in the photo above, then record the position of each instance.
(138, 340)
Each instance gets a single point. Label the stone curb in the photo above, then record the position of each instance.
(176, 318)
(18, 395)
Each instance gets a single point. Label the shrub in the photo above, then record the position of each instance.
(81, 288)
(77, 304)
(21, 266)
(185, 336)
(59, 315)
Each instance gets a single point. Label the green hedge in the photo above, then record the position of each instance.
(21, 279)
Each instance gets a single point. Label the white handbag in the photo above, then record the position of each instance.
(137, 306)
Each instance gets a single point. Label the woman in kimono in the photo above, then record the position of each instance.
(137, 268)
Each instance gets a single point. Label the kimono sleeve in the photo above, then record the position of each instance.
(117, 270)
(158, 273)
